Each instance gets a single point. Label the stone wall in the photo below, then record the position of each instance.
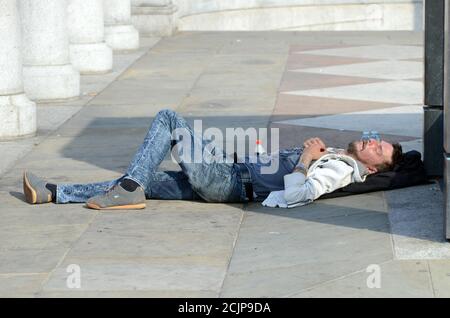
(254, 15)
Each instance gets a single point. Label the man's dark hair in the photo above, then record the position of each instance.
(397, 156)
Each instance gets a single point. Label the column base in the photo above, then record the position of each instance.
(433, 140)
(153, 21)
(92, 58)
(122, 37)
(17, 116)
(51, 82)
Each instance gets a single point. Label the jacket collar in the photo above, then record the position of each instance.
(360, 172)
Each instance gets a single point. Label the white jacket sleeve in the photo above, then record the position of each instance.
(325, 178)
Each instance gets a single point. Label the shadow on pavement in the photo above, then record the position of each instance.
(110, 143)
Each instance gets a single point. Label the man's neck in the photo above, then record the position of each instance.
(356, 158)
(350, 155)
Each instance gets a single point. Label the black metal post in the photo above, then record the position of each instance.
(446, 130)
(434, 87)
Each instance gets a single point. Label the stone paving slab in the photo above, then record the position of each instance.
(20, 286)
(398, 279)
(178, 246)
(75, 293)
(335, 137)
(416, 218)
(412, 92)
(293, 80)
(383, 51)
(395, 70)
(440, 277)
(316, 106)
(236, 110)
(320, 242)
(400, 121)
(37, 248)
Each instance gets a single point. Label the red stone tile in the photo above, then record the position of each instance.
(312, 47)
(414, 60)
(293, 106)
(302, 61)
(292, 81)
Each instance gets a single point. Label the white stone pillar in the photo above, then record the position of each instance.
(89, 53)
(120, 34)
(153, 17)
(48, 74)
(17, 112)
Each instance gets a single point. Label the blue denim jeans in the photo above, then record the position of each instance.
(209, 180)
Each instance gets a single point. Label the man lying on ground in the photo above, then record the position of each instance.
(303, 175)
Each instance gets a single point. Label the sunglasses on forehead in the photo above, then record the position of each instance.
(367, 135)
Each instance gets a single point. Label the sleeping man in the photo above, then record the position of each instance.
(304, 174)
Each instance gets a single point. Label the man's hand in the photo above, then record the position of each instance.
(314, 148)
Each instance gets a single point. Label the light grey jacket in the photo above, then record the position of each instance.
(329, 173)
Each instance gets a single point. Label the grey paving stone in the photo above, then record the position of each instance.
(169, 246)
(77, 293)
(33, 245)
(247, 104)
(138, 95)
(15, 150)
(51, 116)
(26, 215)
(21, 285)
(319, 242)
(440, 277)
(132, 275)
(416, 217)
(397, 279)
(176, 230)
(39, 236)
(34, 259)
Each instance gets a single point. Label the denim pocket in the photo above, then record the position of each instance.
(213, 182)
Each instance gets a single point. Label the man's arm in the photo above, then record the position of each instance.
(303, 165)
(330, 176)
(299, 188)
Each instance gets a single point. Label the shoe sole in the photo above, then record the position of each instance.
(30, 193)
(117, 207)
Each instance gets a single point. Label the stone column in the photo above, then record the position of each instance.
(153, 17)
(48, 74)
(17, 112)
(89, 53)
(120, 34)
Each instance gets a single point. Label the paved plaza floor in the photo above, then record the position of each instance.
(332, 85)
